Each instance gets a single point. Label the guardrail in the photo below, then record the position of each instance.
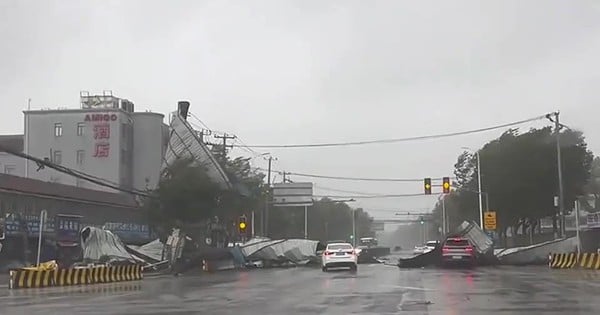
(32, 278)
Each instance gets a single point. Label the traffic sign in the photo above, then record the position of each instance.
(489, 220)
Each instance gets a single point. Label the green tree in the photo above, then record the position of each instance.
(327, 220)
(593, 187)
(187, 196)
(519, 175)
(184, 194)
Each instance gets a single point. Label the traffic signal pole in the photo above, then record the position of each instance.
(444, 223)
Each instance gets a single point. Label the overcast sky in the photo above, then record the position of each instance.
(277, 72)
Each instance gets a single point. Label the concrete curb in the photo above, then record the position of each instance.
(27, 278)
(574, 260)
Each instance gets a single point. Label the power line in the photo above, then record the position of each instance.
(68, 171)
(199, 120)
(343, 191)
(370, 197)
(437, 136)
(354, 178)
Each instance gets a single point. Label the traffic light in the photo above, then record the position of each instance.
(446, 185)
(427, 186)
(422, 220)
(242, 224)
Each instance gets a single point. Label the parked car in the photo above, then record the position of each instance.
(458, 250)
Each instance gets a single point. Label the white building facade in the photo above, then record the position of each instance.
(104, 138)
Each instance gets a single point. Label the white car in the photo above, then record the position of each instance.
(339, 255)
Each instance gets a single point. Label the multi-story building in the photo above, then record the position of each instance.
(11, 164)
(104, 138)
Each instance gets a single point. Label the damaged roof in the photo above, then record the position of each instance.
(28, 186)
(12, 142)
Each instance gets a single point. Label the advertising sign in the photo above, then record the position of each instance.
(14, 224)
(67, 227)
(128, 231)
(292, 194)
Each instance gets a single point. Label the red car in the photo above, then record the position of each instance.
(458, 250)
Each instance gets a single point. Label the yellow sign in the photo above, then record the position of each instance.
(489, 220)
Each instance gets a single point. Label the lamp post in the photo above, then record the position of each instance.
(478, 185)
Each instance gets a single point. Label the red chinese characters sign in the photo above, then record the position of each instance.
(102, 135)
(101, 131)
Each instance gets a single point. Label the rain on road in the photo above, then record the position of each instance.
(374, 289)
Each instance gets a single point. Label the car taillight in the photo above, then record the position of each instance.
(327, 253)
(445, 249)
(469, 249)
(351, 252)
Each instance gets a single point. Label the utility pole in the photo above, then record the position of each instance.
(561, 201)
(202, 133)
(284, 179)
(479, 184)
(561, 196)
(265, 225)
(225, 137)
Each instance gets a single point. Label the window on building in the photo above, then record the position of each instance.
(10, 169)
(80, 157)
(58, 130)
(80, 129)
(57, 157)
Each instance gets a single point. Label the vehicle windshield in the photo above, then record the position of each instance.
(292, 157)
(339, 246)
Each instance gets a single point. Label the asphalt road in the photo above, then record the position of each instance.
(374, 289)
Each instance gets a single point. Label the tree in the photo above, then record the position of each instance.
(187, 195)
(593, 187)
(327, 220)
(184, 194)
(519, 175)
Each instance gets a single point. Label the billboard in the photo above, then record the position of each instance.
(292, 194)
(377, 226)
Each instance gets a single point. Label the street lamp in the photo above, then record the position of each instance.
(478, 184)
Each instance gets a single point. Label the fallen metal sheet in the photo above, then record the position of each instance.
(536, 254)
(185, 143)
(431, 258)
(482, 242)
(293, 250)
(152, 250)
(100, 245)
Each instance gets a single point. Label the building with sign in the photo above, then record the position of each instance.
(104, 138)
(68, 208)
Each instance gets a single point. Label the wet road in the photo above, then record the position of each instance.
(374, 289)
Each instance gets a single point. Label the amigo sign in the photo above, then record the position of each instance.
(100, 117)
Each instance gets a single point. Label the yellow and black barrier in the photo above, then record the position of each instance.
(31, 278)
(574, 260)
